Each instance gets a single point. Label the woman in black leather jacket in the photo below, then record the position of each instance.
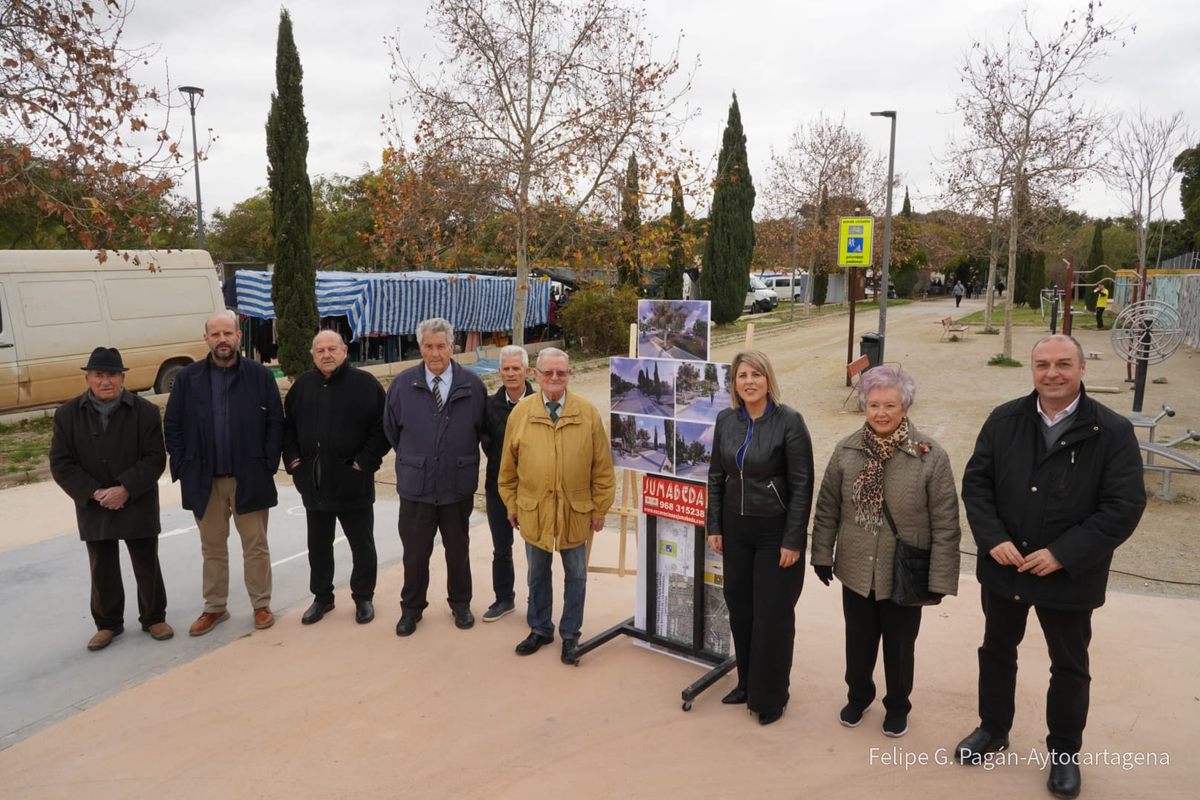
(760, 492)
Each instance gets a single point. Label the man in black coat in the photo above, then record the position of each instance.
(333, 444)
(224, 432)
(1053, 488)
(514, 368)
(107, 454)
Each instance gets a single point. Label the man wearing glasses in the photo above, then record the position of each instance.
(556, 481)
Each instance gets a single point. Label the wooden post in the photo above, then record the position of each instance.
(749, 335)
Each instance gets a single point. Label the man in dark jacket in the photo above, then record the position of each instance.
(1053, 488)
(224, 432)
(433, 419)
(107, 454)
(333, 444)
(514, 368)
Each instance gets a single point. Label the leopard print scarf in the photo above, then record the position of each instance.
(868, 486)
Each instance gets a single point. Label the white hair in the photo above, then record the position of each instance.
(552, 352)
(515, 350)
(435, 325)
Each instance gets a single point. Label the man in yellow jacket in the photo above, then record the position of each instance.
(556, 481)
(1101, 305)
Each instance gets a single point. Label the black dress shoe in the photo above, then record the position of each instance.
(533, 642)
(978, 744)
(771, 716)
(316, 612)
(568, 652)
(1064, 780)
(364, 611)
(406, 625)
(735, 698)
(463, 618)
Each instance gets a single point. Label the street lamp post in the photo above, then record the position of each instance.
(792, 288)
(887, 234)
(193, 95)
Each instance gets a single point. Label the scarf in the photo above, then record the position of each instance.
(868, 486)
(104, 409)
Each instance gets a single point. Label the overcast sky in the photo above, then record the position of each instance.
(787, 60)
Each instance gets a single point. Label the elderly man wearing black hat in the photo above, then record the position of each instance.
(107, 454)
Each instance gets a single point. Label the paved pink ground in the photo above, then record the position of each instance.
(339, 710)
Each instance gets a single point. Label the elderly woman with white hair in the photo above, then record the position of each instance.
(884, 481)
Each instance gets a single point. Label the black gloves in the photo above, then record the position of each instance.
(824, 573)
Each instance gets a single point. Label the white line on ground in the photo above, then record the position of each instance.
(302, 553)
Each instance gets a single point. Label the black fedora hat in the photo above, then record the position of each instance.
(105, 359)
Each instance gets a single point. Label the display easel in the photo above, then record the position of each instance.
(722, 664)
(627, 510)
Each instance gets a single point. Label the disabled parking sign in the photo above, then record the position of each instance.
(855, 241)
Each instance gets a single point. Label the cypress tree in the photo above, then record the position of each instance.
(820, 288)
(1037, 280)
(629, 265)
(906, 209)
(293, 290)
(676, 255)
(730, 244)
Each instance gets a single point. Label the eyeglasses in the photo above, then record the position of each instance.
(555, 373)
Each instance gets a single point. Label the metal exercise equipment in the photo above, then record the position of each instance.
(1144, 333)
(1176, 462)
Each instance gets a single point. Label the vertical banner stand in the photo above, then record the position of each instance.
(721, 664)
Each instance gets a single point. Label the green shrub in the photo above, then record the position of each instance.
(598, 318)
(999, 360)
(820, 288)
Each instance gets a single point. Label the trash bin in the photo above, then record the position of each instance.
(871, 346)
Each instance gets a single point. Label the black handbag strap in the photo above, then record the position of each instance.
(891, 522)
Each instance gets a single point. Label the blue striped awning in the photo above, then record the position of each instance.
(395, 302)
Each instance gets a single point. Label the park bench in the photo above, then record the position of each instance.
(950, 327)
(853, 370)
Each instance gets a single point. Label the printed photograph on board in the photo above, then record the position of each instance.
(676, 329)
(642, 386)
(693, 449)
(701, 390)
(645, 444)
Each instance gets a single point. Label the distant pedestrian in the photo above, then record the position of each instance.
(1101, 305)
(959, 291)
(107, 454)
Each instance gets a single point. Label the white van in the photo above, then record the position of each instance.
(56, 306)
(782, 286)
(760, 298)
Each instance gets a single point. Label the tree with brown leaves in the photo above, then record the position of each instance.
(76, 135)
(544, 99)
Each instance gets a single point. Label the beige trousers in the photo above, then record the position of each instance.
(214, 545)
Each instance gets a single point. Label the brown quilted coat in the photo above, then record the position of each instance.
(919, 488)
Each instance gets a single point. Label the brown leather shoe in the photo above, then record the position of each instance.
(207, 621)
(159, 631)
(103, 639)
(263, 618)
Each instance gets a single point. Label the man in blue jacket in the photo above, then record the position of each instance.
(433, 419)
(1053, 488)
(224, 434)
